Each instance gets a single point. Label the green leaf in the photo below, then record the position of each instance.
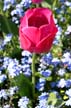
(24, 85)
(7, 26)
(45, 4)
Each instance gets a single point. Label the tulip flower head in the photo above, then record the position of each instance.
(37, 30)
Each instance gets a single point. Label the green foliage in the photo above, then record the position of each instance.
(7, 26)
(24, 84)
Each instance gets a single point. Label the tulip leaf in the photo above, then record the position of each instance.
(7, 26)
(24, 85)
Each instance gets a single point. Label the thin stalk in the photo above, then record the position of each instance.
(33, 74)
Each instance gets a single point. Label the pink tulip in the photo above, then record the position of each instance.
(37, 30)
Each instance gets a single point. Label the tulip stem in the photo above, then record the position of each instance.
(33, 75)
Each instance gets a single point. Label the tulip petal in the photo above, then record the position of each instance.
(45, 44)
(32, 33)
(24, 22)
(36, 11)
(29, 12)
(44, 11)
(45, 30)
(26, 43)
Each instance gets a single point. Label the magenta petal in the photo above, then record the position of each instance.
(29, 12)
(32, 33)
(24, 22)
(45, 44)
(45, 31)
(46, 12)
(36, 11)
(26, 43)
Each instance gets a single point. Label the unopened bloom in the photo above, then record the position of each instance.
(37, 30)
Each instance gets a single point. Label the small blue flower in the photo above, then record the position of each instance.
(55, 61)
(58, 35)
(55, 42)
(3, 77)
(14, 68)
(46, 60)
(43, 96)
(8, 3)
(68, 102)
(43, 104)
(23, 102)
(66, 60)
(26, 70)
(26, 60)
(67, 3)
(68, 83)
(26, 53)
(1, 44)
(15, 19)
(67, 55)
(68, 92)
(53, 84)
(45, 73)
(40, 84)
(6, 61)
(7, 39)
(12, 90)
(61, 83)
(69, 64)
(26, 3)
(61, 72)
(3, 94)
(18, 11)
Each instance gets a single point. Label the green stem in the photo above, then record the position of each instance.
(33, 74)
